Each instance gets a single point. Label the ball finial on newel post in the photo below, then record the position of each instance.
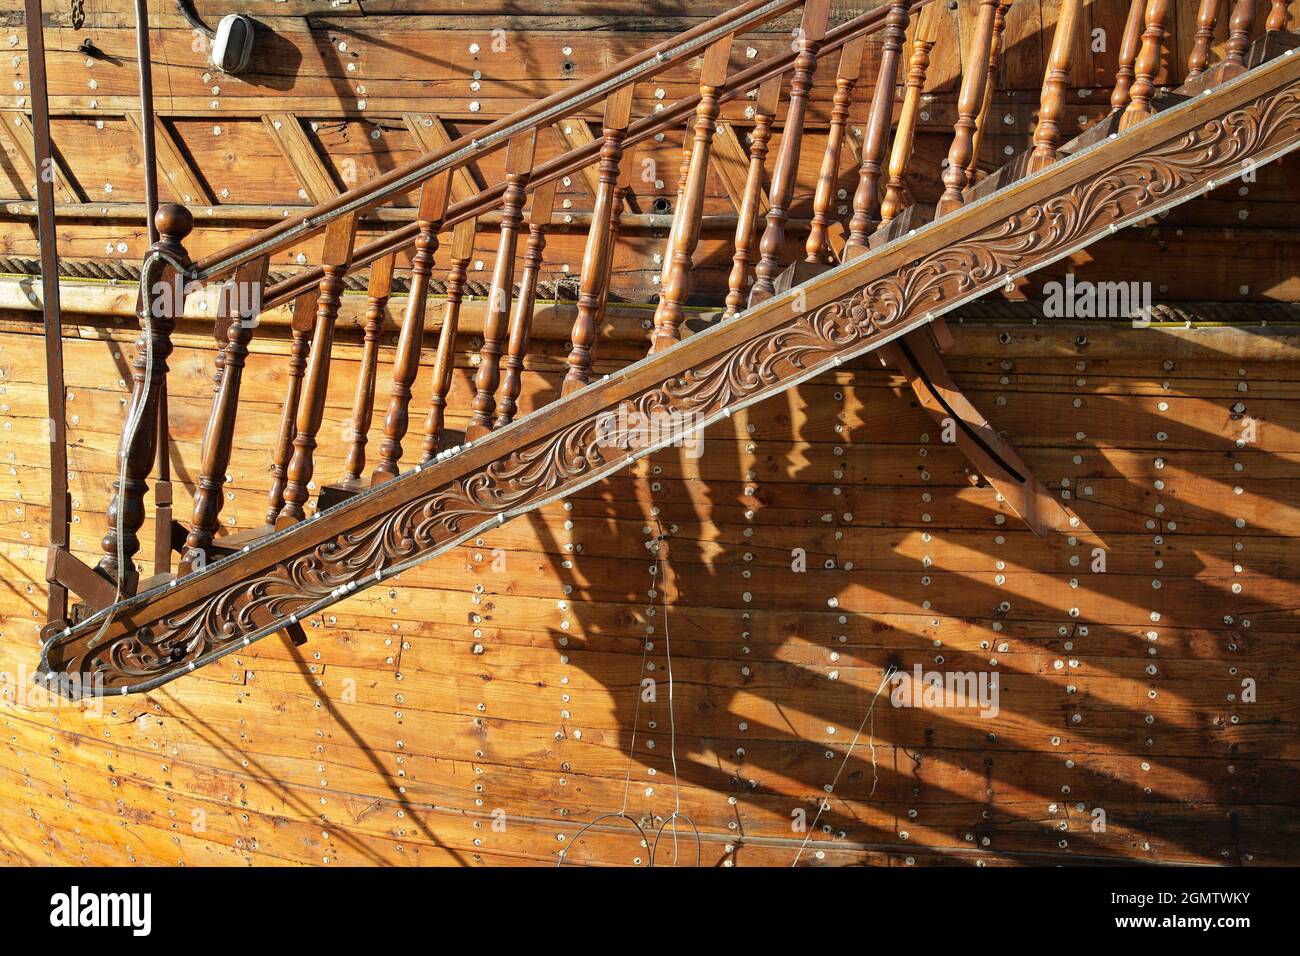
(173, 221)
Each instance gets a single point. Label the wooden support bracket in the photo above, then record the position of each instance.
(17, 128)
(79, 578)
(918, 357)
(300, 151)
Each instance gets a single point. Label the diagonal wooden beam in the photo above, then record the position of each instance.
(918, 357)
(430, 133)
(297, 147)
(576, 132)
(731, 162)
(185, 185)
(18, 130)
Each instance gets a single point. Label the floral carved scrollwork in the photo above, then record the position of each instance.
(420, 527)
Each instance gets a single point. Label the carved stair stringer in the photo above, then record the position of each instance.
(855, 308)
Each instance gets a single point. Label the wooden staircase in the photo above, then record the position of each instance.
(880, 282)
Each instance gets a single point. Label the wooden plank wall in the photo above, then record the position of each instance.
(480, 709)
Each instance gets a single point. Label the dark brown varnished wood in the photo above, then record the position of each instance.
(990, 87)
(765, 105)
(595, 257)
(406, 364)
(686, 233)
(666, 260)
(1278, 15)
(539, 218)
(817, 248)
(462, 248)
(1147, 66)
(335, 259)
(622, 192)
(969, 102)
(304, 321)
(1051, 108)
(378, 289)
(1240, 26)
(167, 304)
(519, 166)
(1207, 18)
(1128, 53)
(812, 30)
(867, 197)
(923, 40)
(241, 305)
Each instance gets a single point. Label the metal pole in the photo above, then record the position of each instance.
(60, 500)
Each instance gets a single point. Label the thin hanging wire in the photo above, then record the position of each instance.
(627, 783)
(825, 802)
(672, 723)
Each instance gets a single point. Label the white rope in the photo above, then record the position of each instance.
(825, 802)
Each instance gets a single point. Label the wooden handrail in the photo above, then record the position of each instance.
(395, 182)
(1105, 187)
(575, 159)
(494, 402)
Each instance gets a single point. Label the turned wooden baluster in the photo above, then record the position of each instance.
(1277, 15)
(990, 87)
(1128, 52)
(595, 257)
(406, 363)
(622, 189)
(166, 305)
(927, 32)
(974, 78)
(866, 199)
(539, 217)
(769, 95)
(1240, 25)
(363, 404)
(1207, 18)
(666, 261)
(1147, 66)
(1051, 109)
(304, 320)
(673, 293)
(462, 249)
(335, 259)
(241, 304)
(519, 166)
(812, 31)
(817, 248)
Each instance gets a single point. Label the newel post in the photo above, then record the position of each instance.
(165, 291)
